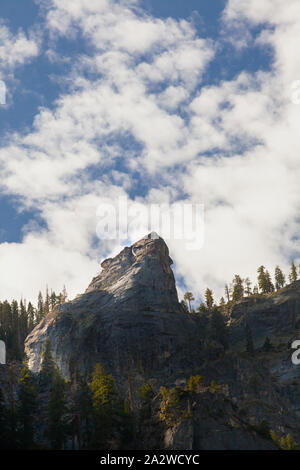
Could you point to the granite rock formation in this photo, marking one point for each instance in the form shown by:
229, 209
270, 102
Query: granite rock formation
276, 317
129, 319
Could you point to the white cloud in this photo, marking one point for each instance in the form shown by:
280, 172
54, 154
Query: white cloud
172, 97
142, 90
15, 49
48, 168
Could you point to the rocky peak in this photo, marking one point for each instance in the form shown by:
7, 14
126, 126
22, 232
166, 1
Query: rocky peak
140, 273
131, 306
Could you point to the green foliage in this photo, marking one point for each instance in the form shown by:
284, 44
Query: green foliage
107, 406
27, 407
248, 290
82, 413
145, 393
290, 442
103, 388
279, 278
209, 299
274, 437
282, 443
223, 307
264, 281
17, 320
188, 297
48, 367
255, 290
57, 428
185, 306
202, 309
170, 403
194, 384
40, 313
238, 288
214, 388
293, 276
217, 330
285, 443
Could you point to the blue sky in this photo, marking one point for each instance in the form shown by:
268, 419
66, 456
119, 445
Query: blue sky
37, 85
161, 102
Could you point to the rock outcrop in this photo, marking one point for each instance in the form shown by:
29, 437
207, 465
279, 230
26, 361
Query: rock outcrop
276, 317
129, 319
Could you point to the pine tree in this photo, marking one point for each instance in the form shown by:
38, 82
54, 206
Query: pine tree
248, 290
293, 276
202, 309
53, 300
222, 306
269, 284
77, 409
47, 302
194, 384
238, 288
23, 322
264, 281
279, 278
104, 400
185, 306
282, 443
103, 388
16, 343
6, 327
274, 437
228, 292
217, 328
27, 406
209, 299
40, 308
48, 367
86, 408
57, 429
213, 388
188, 297
30, 316
290, 443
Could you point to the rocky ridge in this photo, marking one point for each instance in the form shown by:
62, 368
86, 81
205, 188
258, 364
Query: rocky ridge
130, 320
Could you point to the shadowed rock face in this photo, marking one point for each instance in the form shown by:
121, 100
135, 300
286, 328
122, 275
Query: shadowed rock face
128, 318
277, 317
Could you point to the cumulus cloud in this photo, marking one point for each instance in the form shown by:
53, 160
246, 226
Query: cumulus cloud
251, 197
138, 120
52, 168
16, 49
